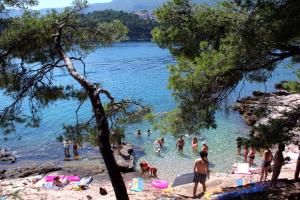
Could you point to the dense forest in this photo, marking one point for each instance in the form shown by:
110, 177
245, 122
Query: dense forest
138, 28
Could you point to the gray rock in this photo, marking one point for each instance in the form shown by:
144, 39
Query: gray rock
124, 158
6, 156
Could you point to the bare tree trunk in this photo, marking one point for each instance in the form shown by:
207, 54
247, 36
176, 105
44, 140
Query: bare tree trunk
105, 148
103, 130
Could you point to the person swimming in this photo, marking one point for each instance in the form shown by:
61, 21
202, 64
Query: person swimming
195, 144
180, 144
204, 150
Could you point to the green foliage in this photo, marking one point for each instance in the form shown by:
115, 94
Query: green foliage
217, 47
138, 28
292, 86
277, 131
29, 57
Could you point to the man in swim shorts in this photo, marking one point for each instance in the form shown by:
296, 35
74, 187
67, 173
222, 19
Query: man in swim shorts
201, 173
266, 163
180, 143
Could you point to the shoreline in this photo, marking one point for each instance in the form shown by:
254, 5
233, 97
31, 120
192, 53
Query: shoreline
219, 182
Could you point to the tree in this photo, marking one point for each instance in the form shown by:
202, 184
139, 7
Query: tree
33, 47
217, 47
138, 28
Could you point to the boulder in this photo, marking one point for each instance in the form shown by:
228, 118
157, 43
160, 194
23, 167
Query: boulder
29, 171
124, 157
6, 156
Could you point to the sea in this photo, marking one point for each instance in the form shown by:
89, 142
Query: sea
136, 70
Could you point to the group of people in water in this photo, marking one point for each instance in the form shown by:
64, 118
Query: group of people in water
201, 166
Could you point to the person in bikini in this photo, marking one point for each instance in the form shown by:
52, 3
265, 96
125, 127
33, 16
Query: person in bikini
245, 152
195, 144
180, 144
201, 173
266, 163
251, 156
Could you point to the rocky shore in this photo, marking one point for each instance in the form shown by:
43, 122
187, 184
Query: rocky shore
7, 156
261, 108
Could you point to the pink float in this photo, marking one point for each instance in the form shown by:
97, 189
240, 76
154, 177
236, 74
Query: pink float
161, 184
69, 178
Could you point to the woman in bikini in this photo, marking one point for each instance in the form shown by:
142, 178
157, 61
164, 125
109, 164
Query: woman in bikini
251, 156
195, 144
245, 152
266, 163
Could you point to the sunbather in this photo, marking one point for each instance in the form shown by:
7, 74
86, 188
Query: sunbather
266, 163
278, 162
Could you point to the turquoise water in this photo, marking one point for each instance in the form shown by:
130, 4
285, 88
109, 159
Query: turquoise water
136, 70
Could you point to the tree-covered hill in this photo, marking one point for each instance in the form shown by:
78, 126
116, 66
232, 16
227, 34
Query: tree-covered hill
139, 28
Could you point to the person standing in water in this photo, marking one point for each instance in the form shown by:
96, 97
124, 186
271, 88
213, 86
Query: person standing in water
67, 148
201, 173
246, 152
75, 151
251, 156
238, 145
148, 132
266, 163
138, 133
204, 150
195, 144
278, 162
180, 144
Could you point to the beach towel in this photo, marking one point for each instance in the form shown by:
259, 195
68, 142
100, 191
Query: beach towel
85, 181
242, 168
137, 185
239, 182
183, 179
236, 194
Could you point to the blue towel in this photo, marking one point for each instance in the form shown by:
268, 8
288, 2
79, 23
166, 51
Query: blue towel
239, 182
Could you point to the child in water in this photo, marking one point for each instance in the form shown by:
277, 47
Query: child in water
195, 144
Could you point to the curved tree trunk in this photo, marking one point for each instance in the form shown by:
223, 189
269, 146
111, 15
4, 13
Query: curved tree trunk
103, 130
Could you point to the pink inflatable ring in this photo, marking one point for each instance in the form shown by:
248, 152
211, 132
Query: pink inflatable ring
161, 184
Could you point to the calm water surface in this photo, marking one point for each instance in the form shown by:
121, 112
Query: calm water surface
136, 70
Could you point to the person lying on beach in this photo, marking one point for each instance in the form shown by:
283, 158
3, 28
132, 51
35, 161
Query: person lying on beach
195, 144
266, 163
251, 156
180, 144
201, 173
57, 182
278, 163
